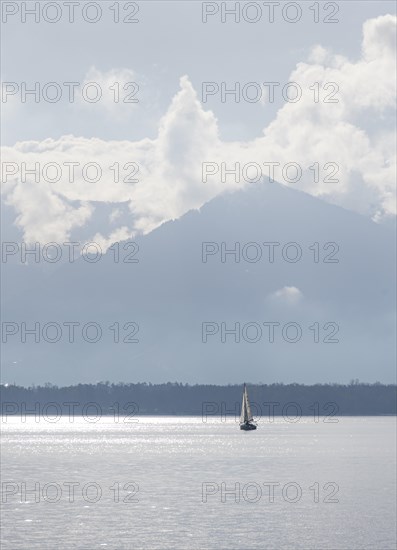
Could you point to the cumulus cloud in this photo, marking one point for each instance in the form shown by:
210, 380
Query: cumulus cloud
115, 214
350, 134
46, 216
120, 234
288, 295
118, 91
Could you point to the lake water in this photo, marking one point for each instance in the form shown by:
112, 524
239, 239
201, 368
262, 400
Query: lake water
181, 483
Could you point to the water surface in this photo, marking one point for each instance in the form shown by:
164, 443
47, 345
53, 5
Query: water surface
184, 483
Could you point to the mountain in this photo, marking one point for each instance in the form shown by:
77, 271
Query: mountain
171, 292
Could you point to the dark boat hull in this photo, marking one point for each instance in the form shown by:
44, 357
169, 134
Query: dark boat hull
247, 427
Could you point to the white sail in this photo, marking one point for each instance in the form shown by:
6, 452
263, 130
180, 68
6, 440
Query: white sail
247, 404
246, 415
243, 409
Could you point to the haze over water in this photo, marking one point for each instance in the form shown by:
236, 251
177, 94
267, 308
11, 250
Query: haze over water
172, 470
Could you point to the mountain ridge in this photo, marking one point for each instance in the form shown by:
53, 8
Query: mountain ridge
171, 292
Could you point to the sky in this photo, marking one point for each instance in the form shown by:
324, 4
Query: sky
143, 111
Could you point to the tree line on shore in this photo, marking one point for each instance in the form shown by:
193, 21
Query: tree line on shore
173, 398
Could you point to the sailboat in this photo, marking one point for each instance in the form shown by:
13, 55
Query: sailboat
246, 415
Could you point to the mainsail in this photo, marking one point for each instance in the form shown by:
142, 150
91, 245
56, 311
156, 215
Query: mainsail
246, 415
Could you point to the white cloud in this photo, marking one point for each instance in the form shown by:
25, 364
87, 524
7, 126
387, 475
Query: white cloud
120, 234
115, 214
172, 183
349, 133
45, 216
120, 91
289, 295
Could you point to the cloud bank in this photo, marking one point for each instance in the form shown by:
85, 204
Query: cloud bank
161, 179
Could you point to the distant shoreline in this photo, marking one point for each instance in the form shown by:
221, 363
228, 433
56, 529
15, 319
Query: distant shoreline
176, 415
128, 401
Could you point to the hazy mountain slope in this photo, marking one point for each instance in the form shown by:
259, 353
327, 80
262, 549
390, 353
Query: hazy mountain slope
171, 292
